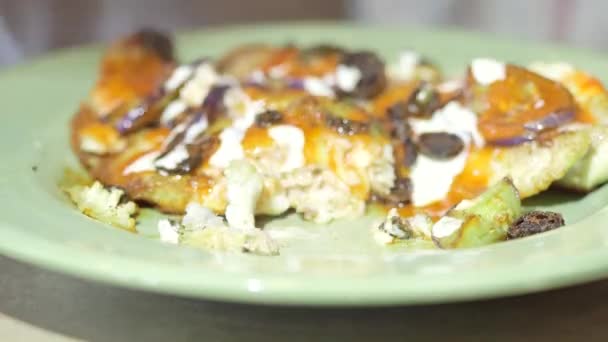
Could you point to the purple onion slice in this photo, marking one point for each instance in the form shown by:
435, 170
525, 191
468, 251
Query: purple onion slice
552, 120
512, 141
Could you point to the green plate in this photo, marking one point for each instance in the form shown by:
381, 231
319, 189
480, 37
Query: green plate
329, 265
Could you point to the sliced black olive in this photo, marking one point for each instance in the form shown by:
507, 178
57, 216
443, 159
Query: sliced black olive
534, 222
424, 101
158, 42
345, 126
440, 145
268, 118
373, 76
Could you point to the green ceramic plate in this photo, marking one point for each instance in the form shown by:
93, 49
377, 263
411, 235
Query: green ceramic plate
330, 265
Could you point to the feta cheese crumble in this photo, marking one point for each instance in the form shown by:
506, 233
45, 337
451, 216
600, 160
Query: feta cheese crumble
347, 77
243, 110
169, 231
104, 205
243, 191
292, 139
487, 71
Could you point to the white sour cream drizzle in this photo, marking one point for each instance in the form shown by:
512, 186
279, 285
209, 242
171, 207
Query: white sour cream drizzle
487, 71
432, 178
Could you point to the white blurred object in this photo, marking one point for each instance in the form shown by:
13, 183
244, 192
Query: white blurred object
9, 51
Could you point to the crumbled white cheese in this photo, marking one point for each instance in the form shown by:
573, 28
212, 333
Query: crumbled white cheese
243, 111
292, 139
180, 75
244, 187
172, 110
381, 171
230, 148
318, 87
196, 89
487, 71
142, 164
452, 118
347, 77
198, 217
432, 178
104, 204
405, 69
555, 71
446, 226
319, 195
169, 232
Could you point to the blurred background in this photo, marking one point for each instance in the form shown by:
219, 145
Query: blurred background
31, 27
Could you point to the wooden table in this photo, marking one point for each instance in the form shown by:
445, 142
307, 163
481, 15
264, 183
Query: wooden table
36, 304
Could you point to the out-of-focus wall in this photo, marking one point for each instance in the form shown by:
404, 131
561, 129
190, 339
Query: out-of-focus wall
30, 27
576, 22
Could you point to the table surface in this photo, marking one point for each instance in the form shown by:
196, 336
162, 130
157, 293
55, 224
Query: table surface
41, 305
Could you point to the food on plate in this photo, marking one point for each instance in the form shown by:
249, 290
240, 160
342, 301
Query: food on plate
328, 132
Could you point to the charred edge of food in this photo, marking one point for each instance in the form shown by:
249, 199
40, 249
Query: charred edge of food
398, 227
535, 222
345, 126
142, 114
399, 196
158, 42
397, 112
199, 151
373, 76
440, 145
424, 101
268, 118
